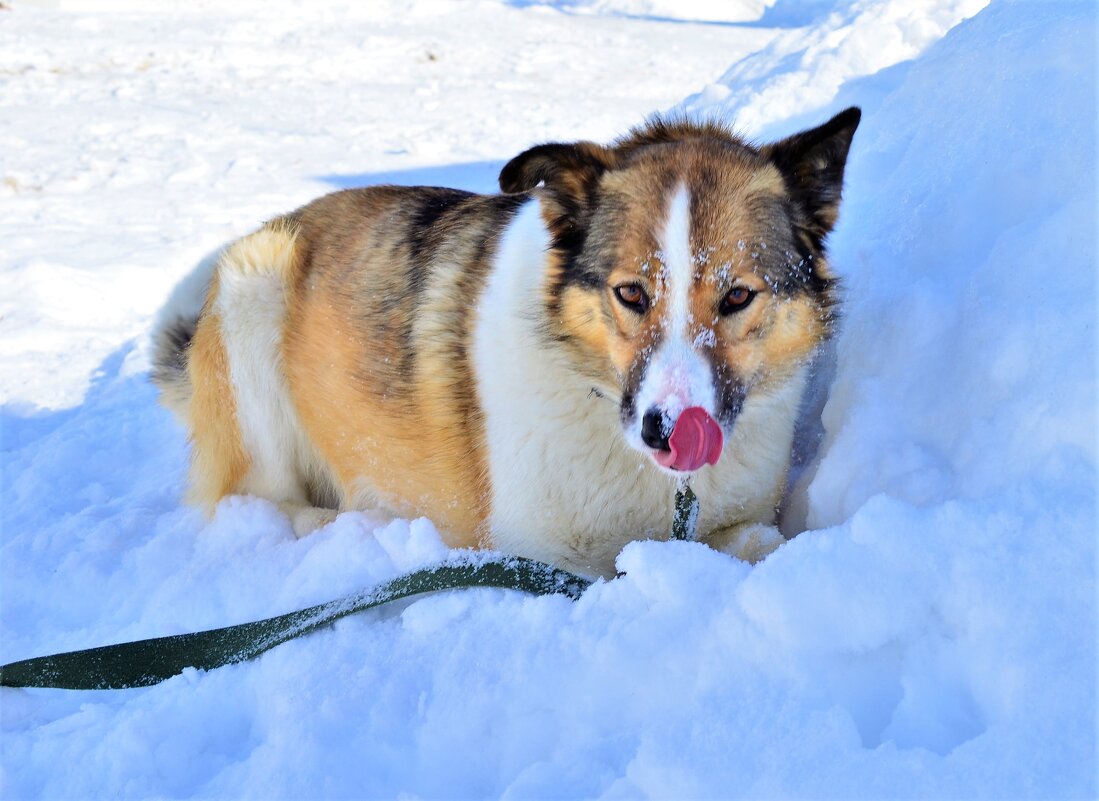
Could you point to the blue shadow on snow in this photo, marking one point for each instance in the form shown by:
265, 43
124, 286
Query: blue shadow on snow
473, 176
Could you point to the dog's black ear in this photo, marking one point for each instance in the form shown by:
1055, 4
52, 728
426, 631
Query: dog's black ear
569, 171
812, 164
570, 174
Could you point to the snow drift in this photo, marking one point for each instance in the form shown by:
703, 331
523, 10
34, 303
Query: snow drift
931, 635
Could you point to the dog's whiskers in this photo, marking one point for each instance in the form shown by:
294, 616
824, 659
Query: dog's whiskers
595, 392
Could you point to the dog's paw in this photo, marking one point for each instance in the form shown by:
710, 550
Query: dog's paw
307, 519
750, 542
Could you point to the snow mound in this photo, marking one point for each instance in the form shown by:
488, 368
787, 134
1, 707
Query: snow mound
801, 69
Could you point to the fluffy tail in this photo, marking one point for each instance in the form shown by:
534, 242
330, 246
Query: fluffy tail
173, 332
170, 363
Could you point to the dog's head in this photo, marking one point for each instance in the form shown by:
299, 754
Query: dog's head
688, 270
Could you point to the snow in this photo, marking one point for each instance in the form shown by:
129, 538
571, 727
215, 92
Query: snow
932, 634
802, 68
689, 10
188, 125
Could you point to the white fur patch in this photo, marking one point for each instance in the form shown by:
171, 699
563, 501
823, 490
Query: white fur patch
564, 484
678, 267
678, 375
251, 305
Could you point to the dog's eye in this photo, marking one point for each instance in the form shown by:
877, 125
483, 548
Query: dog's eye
736, 300
632, 296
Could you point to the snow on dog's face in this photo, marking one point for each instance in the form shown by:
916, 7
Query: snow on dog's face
688, 270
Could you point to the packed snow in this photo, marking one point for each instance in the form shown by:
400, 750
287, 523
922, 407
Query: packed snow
930, 634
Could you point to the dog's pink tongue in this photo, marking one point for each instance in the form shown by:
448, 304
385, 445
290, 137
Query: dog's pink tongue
696, 440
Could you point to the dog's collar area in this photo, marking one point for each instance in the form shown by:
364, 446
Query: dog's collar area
685, 521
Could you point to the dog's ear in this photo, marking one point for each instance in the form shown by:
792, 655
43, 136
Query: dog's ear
569, 171
812, 164
570, 174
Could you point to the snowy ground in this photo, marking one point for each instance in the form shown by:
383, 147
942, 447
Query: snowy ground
932, 635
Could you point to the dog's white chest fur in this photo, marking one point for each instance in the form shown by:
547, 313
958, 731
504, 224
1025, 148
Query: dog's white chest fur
565, 486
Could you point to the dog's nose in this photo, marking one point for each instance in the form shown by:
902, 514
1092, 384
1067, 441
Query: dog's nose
653, 432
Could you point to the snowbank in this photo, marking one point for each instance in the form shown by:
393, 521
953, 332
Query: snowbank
706, 10
932, 636
802, 68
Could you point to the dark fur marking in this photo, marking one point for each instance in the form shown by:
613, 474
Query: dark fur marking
170, 358
432, 220
730, 394
568, 170
424, 230
587, 257
628, 408
636, 375
507, 205
812, 164
427, 228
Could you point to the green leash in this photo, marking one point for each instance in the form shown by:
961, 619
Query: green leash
147, 662
685, 522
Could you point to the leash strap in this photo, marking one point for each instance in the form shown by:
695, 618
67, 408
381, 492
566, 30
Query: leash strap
147, 662
685, 522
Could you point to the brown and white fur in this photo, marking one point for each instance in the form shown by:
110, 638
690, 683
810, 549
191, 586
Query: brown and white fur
475, 360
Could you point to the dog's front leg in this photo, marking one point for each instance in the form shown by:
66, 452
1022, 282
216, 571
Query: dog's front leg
748, 541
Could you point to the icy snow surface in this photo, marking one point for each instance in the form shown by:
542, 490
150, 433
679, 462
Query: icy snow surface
933, 635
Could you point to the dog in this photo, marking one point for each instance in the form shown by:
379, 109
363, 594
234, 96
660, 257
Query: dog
536, 371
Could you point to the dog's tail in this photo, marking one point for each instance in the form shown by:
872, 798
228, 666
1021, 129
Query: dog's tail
173, 332
170, 363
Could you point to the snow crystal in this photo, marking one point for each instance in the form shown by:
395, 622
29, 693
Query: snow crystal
706, 338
